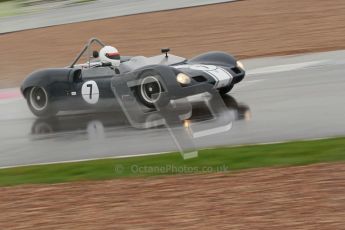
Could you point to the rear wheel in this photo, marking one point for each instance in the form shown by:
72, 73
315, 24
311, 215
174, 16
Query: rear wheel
38, 102
150, 89
226, 89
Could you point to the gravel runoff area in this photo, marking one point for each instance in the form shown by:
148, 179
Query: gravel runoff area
245, 28
302, 197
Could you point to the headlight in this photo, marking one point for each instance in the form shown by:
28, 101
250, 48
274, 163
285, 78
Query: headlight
240, 64
183, 79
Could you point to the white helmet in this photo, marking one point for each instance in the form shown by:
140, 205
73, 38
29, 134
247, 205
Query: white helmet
109, 54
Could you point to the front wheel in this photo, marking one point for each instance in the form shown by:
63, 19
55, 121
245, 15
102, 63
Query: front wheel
38, 102
150, 89
226, 89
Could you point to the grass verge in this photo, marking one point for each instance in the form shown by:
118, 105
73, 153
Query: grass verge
8, 8
210, 160
16, 7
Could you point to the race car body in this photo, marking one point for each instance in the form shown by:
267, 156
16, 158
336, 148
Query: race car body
95, 84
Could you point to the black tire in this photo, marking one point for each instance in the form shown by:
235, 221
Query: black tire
38, 102
150, 89
226, 89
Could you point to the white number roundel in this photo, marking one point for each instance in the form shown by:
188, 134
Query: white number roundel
90, 92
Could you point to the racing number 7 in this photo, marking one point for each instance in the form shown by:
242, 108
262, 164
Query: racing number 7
90, 86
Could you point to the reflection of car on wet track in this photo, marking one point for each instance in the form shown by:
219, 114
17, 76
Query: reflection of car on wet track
240, 111
105, 121
151, 80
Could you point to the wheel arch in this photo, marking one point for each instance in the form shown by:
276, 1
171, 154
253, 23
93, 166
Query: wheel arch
44, 78
166, 73
214, 58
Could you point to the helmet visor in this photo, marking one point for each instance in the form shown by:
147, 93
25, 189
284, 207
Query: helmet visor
113, 56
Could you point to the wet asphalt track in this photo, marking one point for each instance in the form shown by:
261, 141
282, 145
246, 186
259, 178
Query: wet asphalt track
287, 98
93, 10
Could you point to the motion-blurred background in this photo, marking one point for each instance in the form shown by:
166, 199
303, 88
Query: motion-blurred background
294, 185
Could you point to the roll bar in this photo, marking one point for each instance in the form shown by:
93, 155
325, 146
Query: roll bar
86, 48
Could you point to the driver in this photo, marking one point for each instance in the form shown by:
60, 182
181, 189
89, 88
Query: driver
109, 54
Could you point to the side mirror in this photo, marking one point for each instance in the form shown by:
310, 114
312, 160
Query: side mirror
75, 75
95, 54
166, 51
